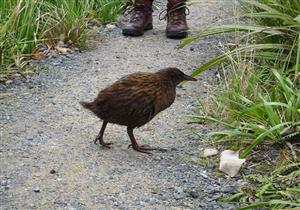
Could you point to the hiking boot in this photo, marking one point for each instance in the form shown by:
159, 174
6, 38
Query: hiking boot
176, 19
140, 20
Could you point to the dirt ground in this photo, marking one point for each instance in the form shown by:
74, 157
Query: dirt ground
49, 160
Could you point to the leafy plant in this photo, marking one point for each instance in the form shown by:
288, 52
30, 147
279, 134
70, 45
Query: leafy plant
278, 190
108, 10
263, 115
66, 20
19, 31
260, 98
274, 26
24, 24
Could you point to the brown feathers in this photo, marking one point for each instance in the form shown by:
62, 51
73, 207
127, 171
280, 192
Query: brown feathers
135, 99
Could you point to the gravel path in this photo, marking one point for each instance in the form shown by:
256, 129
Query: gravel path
49, 161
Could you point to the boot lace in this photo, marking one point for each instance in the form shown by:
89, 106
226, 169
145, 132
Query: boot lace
137, 12
174, 13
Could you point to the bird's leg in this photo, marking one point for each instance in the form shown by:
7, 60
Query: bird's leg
134, 144
100, 136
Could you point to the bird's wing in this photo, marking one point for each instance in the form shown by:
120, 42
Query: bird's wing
132, 98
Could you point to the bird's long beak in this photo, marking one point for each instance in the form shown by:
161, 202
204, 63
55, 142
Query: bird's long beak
189, 78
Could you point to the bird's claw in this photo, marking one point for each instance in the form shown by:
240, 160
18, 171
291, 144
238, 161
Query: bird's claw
145, 147
142, 148
107, 145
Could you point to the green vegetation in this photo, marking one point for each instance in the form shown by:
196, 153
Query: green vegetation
276, 190
24, 24
107, 10
260, 101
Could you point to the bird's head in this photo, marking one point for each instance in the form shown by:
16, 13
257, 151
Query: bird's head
174, 75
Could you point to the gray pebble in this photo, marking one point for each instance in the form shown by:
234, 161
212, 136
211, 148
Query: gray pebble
36, 189
178, 194
194, 194
229, 189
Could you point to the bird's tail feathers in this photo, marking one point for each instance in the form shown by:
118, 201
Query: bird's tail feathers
86, 105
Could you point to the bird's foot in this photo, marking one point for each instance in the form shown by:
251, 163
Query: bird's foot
107, 145
142, 148
104, 144
96, 139
145, 148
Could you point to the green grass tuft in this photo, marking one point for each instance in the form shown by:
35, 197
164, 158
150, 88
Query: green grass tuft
259, 104
24, 24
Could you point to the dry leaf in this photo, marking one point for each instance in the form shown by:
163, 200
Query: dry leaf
230, 162
38, 55
62, 50
209, 152
41, 52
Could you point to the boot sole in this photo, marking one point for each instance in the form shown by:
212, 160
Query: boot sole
135, 32
176, 34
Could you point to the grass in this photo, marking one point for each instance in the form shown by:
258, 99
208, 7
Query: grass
24, 24
275, 187
107, 10
258, 107
261, 99
272, 30
259, 103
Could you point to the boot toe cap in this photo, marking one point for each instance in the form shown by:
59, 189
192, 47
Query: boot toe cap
177, 34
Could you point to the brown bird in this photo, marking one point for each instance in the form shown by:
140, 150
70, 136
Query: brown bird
134, 100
